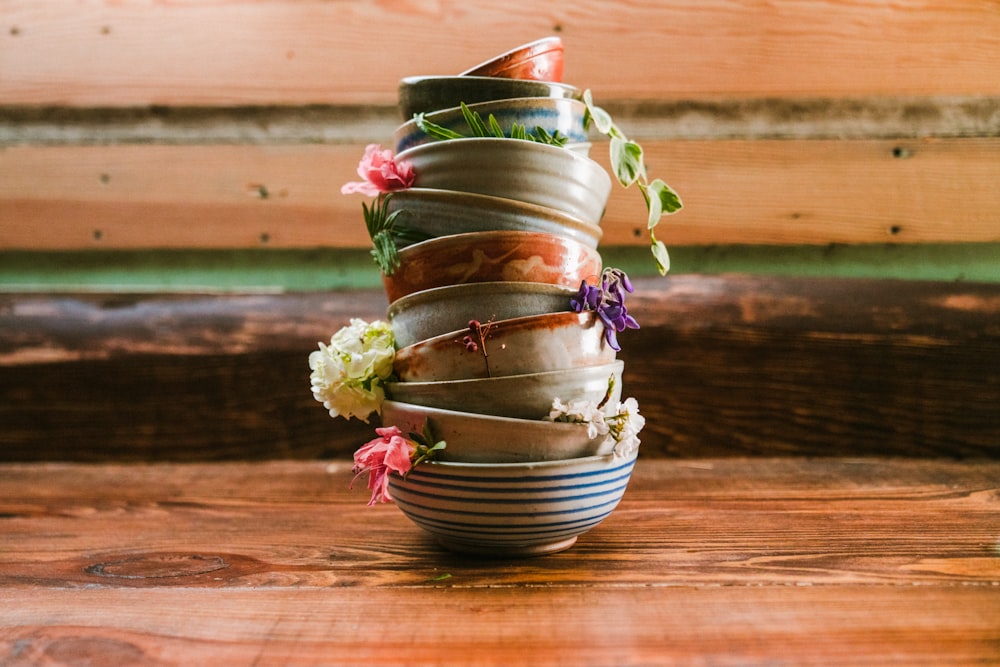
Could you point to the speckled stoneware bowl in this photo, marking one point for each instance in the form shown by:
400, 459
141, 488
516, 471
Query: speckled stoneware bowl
552, 115
523, 170
433, 312
532, 344
526, 396
511, 510
423, 94
541, 60
492, 256
431, 213
479, 438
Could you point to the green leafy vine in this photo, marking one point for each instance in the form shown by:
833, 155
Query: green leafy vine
630, 168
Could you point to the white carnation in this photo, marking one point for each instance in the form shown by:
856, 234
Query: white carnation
348, 374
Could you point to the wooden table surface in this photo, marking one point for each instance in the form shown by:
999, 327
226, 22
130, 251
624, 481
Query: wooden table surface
705, 562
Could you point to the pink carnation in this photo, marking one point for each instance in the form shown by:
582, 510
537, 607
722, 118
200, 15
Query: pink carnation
380, 173
387, 453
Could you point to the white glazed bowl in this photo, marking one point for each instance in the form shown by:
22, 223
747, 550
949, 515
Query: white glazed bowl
564, 116
536, 173
533, 344
431, 213
507, 510
478, 438
436, 311
527, 396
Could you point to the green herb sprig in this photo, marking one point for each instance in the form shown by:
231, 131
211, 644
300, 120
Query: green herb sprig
381, 226
630, 168
488, 128
427, 445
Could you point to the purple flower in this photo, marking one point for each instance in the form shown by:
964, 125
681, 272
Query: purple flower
608, 301
588, 298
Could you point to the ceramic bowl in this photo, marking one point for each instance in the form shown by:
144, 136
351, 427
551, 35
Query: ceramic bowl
423, 94
515, 509
492, 256
536, 173
433, 312
432, 213
534, 344
552, 115
527, 396
479, 438
541, 60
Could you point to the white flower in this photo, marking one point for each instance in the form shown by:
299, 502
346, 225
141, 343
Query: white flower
625, 427
580, 412
348, 374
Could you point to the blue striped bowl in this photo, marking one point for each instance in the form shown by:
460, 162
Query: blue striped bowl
512, 509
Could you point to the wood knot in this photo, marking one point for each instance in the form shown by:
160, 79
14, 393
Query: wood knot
166, 569
158, 566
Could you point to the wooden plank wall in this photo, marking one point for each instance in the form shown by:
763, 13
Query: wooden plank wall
722, 366
232, 123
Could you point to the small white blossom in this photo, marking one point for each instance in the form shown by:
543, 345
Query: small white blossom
348, 374
625, 427
580, 412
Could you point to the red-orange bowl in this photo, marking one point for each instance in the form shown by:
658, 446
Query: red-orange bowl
541, 60
493, 256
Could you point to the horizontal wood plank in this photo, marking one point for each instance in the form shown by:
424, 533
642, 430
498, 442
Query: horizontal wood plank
244, 52
706, 561
725, 366
288, 196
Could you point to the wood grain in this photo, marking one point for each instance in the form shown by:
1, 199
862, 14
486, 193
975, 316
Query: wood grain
722, 366
706, 561
242, 52
288, 196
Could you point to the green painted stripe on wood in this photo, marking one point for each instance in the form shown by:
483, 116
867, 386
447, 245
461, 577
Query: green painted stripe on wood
326, 269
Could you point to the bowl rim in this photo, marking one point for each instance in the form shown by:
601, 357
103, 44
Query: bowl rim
529, 465
492, 202
500, 102
494, 236
520, 287
430, 79
476, 146
613, 365
571, 317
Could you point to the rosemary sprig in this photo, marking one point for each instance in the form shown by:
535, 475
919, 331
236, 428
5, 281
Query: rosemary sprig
382, 229
479, 128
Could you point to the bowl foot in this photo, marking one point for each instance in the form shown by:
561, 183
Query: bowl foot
506, 550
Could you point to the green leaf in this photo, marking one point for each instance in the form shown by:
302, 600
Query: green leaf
626, 160
661, 256
669, 200
434, 130
495, 127
474, 121
600, 117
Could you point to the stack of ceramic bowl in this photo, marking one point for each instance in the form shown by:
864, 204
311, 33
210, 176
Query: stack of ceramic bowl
486, 336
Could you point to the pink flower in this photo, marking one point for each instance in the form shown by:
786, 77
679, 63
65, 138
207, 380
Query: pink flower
380, 173
383, 455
